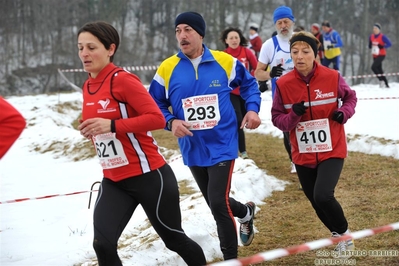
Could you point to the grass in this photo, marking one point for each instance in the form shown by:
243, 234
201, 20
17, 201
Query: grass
368, 191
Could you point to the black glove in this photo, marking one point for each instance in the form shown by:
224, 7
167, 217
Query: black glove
338, 116
276, 71
330, 46
263, 86
380, 46
299, 108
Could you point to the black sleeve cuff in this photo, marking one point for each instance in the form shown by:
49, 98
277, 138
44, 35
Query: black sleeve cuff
169, 124
113, 130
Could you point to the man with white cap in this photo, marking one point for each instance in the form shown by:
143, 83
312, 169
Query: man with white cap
254, 38
196, 83
315, 30
275, 54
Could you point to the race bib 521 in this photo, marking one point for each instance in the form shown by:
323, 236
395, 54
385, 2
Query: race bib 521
110, 151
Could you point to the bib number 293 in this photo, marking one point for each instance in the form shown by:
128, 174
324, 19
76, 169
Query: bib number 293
202, 112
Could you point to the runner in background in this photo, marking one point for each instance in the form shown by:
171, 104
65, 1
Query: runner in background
332, 46
378, 43
315, 30
254, 39
236, 45
275, 60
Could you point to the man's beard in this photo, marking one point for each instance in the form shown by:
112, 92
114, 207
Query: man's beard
286, 36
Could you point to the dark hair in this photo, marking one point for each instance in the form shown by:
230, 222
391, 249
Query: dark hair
326, 23
104, 32
299, 28
243, 40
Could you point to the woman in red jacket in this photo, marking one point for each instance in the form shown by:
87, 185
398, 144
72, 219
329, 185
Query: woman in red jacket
313, 102
378, 43
118, 115
12, 123
236, 46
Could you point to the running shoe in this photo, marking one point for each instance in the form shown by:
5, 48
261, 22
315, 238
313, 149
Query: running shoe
247, 228
343, 248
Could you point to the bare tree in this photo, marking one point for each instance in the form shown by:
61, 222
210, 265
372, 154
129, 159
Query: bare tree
41, 35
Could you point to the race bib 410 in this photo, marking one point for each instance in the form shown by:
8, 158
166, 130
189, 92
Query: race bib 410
313, 136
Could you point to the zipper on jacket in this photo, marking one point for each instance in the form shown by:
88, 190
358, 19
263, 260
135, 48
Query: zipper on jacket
311, 117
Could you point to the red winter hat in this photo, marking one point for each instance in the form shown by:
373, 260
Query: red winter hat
316, 26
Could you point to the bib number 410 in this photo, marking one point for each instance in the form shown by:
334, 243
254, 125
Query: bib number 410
307, 137
313, 136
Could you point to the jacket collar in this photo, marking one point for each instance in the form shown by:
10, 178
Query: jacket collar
206, 56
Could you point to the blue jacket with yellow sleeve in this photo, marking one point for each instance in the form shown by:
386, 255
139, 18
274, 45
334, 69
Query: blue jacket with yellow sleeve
202, 97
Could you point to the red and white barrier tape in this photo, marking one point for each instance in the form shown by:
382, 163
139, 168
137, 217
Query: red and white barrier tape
128, 68
67, 194
143, 68
175, 158
361, 99
46, 197
379, 98
372, 75
282, 252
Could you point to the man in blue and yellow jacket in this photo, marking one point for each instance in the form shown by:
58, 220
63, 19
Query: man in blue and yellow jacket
332, 46
192, 89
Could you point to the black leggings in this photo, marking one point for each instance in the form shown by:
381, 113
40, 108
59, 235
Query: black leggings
377, 68
239, 108
158, 194
287, 143
214, 183
318, 185
335, 61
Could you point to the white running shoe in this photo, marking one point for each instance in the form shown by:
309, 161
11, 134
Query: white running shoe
343, 248
293, 168
247, 228
244, 155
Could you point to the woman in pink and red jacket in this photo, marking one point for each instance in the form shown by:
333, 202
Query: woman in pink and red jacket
313, 103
